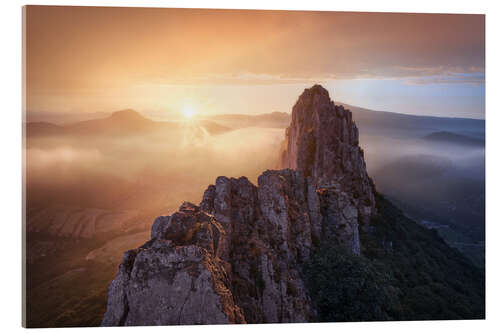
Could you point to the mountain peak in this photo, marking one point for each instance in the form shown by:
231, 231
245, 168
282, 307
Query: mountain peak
322, 142
127, 114
317, 89
319, 134
317, 95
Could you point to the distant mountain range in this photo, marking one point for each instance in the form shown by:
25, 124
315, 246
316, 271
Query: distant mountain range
370, 122
62, 118
118, 123
453, 138
392, 124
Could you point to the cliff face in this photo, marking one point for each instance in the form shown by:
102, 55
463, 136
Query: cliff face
322, 141
236, 257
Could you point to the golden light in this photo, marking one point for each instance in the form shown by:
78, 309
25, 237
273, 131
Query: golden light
189, 112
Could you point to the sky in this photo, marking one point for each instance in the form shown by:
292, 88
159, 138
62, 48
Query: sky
163, 61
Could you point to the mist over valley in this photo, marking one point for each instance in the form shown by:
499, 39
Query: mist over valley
94, 187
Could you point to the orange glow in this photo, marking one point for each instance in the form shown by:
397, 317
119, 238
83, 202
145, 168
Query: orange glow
89, 59
189, 112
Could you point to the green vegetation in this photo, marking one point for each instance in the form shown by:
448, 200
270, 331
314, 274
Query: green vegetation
467, 238
346, 287
63, 288
405, 272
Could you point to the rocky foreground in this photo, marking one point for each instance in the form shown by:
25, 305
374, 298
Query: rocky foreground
237, 257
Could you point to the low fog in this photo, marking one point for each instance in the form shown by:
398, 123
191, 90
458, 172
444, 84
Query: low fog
153, 172
440, 183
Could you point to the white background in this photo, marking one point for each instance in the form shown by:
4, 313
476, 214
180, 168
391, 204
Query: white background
11, 162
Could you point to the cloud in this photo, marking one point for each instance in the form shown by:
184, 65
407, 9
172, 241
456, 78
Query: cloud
475, 78
413, 75
244, 78
81, 50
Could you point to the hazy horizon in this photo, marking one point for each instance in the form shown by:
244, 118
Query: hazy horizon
65, 118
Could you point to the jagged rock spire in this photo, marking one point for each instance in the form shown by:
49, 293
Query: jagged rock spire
322, 141
236, 257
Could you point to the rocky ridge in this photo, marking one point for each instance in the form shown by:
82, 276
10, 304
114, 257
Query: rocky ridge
322, 141
236, 257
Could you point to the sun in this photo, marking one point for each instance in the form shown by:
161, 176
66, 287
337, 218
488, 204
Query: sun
189, 112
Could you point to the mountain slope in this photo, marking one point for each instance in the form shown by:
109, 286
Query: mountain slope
405, 125
256, 254
406, 272
370, 122
453, 138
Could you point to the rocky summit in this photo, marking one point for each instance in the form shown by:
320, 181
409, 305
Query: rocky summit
322, 142
237, 256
